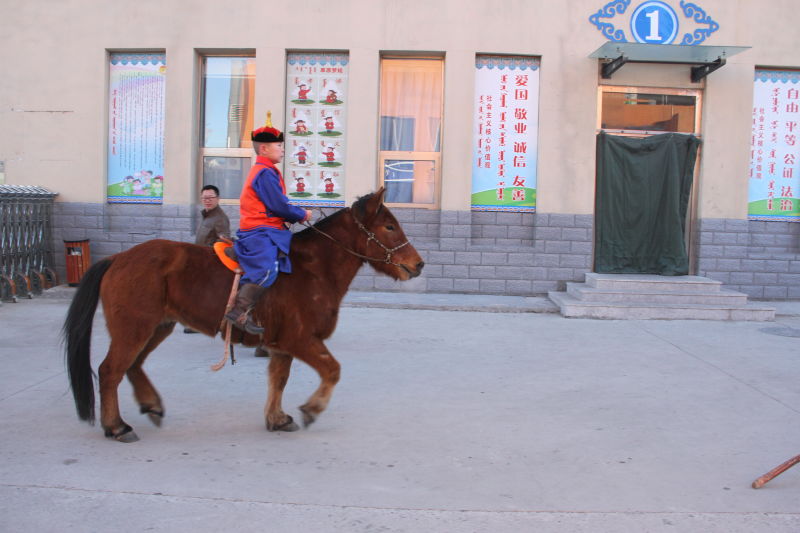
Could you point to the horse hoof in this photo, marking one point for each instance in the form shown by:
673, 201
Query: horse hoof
155, 415
126, 435
308, 417
289, 425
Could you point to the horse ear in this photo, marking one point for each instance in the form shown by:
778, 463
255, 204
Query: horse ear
379, 195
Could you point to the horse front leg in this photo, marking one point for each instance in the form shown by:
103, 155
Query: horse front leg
317, 356
280, 364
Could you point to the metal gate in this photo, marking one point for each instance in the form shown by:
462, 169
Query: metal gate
26, 255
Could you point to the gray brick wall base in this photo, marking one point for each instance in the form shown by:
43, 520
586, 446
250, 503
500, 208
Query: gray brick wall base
756, 257
113, 228
466, 252
491, 253
477, 252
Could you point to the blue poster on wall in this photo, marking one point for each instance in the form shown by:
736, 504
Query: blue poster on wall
136, 128
774, 180
505, 133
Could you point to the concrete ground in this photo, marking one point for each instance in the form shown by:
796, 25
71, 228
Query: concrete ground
444, 421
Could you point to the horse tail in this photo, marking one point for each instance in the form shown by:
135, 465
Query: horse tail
77, 335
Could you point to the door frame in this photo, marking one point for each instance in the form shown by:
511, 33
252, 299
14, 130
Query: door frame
691, 211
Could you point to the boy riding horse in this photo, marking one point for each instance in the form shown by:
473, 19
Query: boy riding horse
263, 236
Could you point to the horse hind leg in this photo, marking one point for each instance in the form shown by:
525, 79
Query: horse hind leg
111, 372
126, 345
143, 390
276, 420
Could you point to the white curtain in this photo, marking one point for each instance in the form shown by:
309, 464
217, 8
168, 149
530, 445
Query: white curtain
412, 89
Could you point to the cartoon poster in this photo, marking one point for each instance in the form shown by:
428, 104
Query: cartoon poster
300, 153
774, 181
298, 183
300, 122
316, 128
505, 133
136, 128
330, 153
330, 183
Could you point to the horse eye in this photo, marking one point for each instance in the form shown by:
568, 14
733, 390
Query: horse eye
389, 227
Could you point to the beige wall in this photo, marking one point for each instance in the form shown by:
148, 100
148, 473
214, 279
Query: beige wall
53, 95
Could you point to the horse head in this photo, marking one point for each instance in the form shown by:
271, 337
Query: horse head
386, 241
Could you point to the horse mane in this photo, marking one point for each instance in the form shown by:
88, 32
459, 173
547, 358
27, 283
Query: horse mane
359, 206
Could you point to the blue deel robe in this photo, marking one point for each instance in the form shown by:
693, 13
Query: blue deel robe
258, 249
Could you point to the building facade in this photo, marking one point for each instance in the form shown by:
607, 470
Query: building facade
481, 120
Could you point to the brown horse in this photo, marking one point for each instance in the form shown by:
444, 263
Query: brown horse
147, 289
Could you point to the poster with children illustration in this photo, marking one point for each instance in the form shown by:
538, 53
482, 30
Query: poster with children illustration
329, 123
330, 153
136, 128
300, 122
299, 153
303, 91
316, 127
330, 183
299, 184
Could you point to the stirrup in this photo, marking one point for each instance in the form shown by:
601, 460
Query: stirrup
244, 322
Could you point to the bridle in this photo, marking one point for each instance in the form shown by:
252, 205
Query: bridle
370, 237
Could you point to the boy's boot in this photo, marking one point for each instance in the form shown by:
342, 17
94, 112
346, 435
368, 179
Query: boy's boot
246, 299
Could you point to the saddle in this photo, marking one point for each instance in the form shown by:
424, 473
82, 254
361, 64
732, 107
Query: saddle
227, 254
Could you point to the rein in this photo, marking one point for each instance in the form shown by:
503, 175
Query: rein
226, 324
370, 237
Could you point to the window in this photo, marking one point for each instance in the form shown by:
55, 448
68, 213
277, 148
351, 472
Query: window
228, 93
643, 111
411, 129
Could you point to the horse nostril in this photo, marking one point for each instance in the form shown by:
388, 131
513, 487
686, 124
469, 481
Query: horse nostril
420, 265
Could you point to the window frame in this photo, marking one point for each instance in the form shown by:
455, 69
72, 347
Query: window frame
698, 110
202, 151
436, 157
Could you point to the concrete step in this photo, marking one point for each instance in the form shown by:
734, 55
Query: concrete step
583, 292
652, 282
574, 308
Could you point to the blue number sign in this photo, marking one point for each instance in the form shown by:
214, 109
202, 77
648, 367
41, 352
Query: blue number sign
654, 23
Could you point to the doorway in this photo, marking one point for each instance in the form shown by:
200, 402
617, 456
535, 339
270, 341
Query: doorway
649, 135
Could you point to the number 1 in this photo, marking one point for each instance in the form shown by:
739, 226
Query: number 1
653, 16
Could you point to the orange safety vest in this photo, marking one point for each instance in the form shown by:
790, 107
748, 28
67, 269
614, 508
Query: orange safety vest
252, 210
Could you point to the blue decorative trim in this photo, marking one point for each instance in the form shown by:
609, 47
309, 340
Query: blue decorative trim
699, 35
134, 200
333, 60
507, 209
318, 203
140, 59
609, 11
509, 62
783, 76
773, 218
